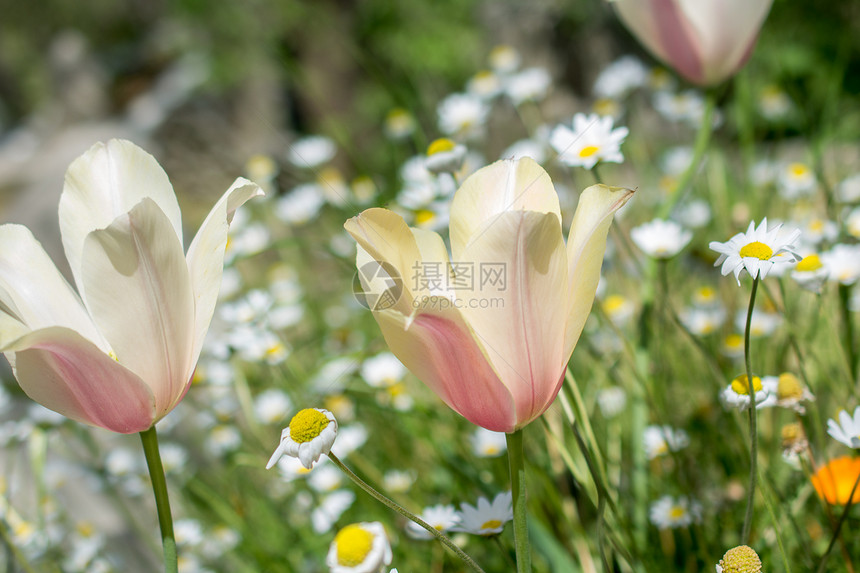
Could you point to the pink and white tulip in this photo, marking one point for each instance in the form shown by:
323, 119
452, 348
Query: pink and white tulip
499, 365
706, 41
120, 352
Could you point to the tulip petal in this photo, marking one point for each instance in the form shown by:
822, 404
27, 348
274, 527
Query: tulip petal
586, 246
505, 185
387, 239
206, 256
440, 349
138, 289
64, 372
662, 27
102, 184
521, 322
726, 31
34, 292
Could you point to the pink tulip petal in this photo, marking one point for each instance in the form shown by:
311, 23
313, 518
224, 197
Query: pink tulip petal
206, 256
679, 40
521, 323
138, 290
586, 246
66, 373
505, 185
438, 347
104, 183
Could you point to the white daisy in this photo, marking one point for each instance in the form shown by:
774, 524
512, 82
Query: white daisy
737, 393
843, 263
810, 273
525, 148
504, 59
311, 151
441, 517
530, 84
670, 513
755, 251
272, 406
485, 84
592, 139
445, 156
788, 391
660, 239
852, 223
762, 323
847, 429
301, 204
816, 230
848, 189
773, 102
611, 401
620, 77
796, 180
488, 444
462, 114
703, 320
359, 548
311, 433
693, 214
398, 481
399, 124
486, 518
325, 515
661, 440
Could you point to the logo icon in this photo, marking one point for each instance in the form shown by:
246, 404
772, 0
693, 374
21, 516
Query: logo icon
377, 286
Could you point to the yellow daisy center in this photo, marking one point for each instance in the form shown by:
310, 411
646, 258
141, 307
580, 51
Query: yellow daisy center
307, 425
85, 529
798, 170
614, 303
424, 216
440, 145
734, 341
588, 151
789, 387
758, 250
809, 264
741, 386
353, 545
490, 450
677, 512
491, 524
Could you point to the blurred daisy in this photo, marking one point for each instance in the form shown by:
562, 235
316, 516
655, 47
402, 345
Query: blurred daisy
762, 323
852, 223
703, 320
737, 393
660, 440
834, 481
796, 180
331, 508
842, 263
311, 151
788, 391
693, 214
359, 548
291, 469
525, 148
670, 513
272, 406
440, 517
687, 106
620, 78
592, 139
755, 251
261, 169
773, 102
397, 481
618, 308
764, 172
300, 205
816, 229
848, 189
223, 439
486, 518
504, 59
462, 114
530, 84
810, 273
660, 239
611, 401
484, 84
349, 439
311, 433
847, 429
445, 156
399, 124
488, 444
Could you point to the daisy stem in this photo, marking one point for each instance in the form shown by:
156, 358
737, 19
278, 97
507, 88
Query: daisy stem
838, 526
149, 439
518, 488
444, 539
703, 137
848, 329
745, 535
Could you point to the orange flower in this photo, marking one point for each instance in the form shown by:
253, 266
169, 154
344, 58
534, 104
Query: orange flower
834, 481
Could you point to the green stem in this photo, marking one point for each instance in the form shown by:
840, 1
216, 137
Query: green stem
149, 439
518, 488
444, 539
848, 330
745, 536
703, 137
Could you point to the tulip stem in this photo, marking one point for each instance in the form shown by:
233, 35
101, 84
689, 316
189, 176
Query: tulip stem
149, 439
703, 138
444, 539
518, 489
745, 535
